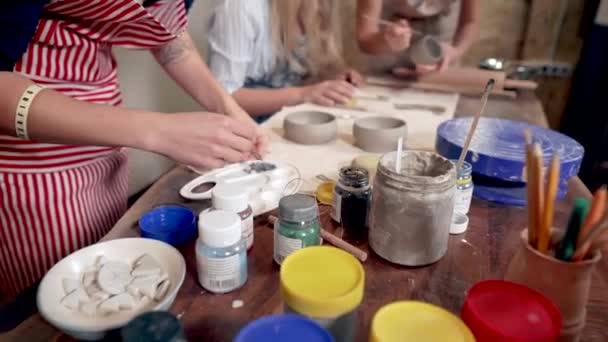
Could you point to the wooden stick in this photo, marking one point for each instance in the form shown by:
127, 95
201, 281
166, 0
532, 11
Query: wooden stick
387, 23
334, 240
536, 183
467, 143
544, 234
530, 189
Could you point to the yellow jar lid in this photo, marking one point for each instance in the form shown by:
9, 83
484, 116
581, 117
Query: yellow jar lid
417, 321
325, 192
322, 282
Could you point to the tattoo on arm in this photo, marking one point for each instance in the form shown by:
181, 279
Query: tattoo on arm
174, 50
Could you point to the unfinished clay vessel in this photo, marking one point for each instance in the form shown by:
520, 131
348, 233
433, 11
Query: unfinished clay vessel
566, 284
426, 50
310, 127
379, 134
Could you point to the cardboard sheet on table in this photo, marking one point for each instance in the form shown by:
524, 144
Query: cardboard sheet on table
326, 159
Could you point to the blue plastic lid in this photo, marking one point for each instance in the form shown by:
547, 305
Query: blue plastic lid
280, 328
172, 224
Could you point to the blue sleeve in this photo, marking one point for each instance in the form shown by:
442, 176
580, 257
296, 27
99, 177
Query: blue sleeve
18, 22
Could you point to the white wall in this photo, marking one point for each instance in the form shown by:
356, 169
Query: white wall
145, 86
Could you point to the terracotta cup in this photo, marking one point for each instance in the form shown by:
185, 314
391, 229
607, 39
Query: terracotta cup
566, 284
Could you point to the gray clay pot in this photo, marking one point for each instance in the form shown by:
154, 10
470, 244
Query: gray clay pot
310, 127
379, 134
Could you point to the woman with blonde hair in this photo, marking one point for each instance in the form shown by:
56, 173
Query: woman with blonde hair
267, 52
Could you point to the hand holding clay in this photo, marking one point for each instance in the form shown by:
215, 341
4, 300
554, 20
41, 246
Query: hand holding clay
329, 93
398, 35
202, 140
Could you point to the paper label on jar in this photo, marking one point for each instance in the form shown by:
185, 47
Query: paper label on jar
462, 200
219, 274
336, 207
247, 227
284, 246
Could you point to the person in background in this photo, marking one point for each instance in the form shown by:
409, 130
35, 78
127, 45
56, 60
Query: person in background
268, 52
412, 18
63, 174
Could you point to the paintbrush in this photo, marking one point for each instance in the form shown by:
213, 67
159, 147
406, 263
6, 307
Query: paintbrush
595, 215
595, 233
467, 143
567, 246
544, 234
530, 189
381, 21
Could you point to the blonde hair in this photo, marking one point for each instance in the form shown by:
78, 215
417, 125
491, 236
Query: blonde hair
320, 23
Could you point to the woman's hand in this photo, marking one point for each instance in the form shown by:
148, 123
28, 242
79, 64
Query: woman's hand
202, 140
450, 53
328, 93
398, 35
351, 76
231, 108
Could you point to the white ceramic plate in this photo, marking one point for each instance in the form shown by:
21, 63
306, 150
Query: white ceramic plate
91, 328
265, 188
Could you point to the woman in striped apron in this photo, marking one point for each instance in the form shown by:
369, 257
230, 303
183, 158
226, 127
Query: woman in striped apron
454, 23
63, 175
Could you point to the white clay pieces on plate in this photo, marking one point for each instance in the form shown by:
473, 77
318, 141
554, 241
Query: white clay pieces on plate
109, 286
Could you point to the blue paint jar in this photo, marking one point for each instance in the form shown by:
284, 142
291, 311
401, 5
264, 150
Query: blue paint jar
464, 188
279, 328
221, 252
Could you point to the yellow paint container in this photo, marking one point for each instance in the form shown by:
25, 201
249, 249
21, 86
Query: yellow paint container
417, 321
325, 284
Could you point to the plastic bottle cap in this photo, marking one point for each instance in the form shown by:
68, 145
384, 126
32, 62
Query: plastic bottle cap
171, 224
230, 197
153, 326
280, 328
417, 321
460, 223
498, 310
322, 282
218, 228
298, 207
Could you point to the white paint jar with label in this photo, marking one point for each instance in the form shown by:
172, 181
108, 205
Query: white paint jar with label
235, 199
221, 252
464, 188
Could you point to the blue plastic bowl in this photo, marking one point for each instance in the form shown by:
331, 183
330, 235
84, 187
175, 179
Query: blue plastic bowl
172, 224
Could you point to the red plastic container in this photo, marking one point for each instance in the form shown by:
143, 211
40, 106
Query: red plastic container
503, 311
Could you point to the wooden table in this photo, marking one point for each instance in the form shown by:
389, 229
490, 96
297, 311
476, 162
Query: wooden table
483, 252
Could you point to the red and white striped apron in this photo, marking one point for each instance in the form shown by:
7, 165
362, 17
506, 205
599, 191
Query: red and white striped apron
55, 199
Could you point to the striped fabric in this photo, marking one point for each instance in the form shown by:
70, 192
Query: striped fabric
49, 215
55, 199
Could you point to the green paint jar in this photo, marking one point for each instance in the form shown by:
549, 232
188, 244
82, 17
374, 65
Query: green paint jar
298, 226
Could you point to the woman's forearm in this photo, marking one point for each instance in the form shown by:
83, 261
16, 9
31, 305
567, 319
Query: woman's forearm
56, 118
369, 36
182, 61
261, 101
468, 26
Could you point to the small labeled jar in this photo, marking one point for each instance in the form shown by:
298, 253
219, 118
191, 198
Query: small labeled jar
235, 199
464, 188
325, 284
155, 326
221, 252
298, 225
351, 200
